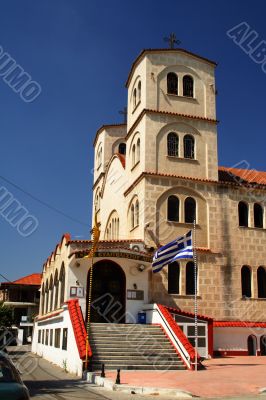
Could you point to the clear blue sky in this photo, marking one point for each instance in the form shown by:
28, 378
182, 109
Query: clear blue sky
80, 52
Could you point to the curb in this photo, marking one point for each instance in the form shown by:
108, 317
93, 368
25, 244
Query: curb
92, 377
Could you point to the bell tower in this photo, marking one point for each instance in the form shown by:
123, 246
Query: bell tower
172, 104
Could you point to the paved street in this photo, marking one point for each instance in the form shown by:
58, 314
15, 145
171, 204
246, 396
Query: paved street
49, 382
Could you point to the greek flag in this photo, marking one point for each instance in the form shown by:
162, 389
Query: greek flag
178, 248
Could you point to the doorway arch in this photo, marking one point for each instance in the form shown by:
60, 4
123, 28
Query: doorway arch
252, 345
108, 299
263, 345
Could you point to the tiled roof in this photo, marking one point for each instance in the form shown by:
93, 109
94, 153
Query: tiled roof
106, 127
109, 241
242, 176
173, 114
65, 237
78, 327
178, 332
190, 116
188, 314
33, 279
239, 324
122, 159
149, 51
228, 176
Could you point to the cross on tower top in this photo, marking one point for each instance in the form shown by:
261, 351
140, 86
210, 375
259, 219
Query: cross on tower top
124, 113
172, 40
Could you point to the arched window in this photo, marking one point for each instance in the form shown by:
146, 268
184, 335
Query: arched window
172, 144
242, 213
172, 83
189, 145
139, 91
261, 278
122, 148
46, 297
258, 216
173, 278
252, 345
51, 293
246, 281
62, 285
56, 289
97, 200
112, 228
132, 210
188, 86
42, 300
138, 151
173, 208
134, 97
190, 278
99, 157
190, 210
133, 155
136, 213
117, 228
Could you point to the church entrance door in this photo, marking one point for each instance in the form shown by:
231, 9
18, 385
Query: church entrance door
108, 292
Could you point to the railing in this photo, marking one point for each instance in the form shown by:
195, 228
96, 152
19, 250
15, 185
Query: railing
79, 328
184, 348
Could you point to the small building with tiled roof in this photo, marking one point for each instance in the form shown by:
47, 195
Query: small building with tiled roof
153, 177
23, 296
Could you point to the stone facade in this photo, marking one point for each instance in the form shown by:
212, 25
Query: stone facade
148, 175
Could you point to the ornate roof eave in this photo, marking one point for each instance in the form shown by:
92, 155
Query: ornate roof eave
219, 183
168, 113
150, 51
112, 252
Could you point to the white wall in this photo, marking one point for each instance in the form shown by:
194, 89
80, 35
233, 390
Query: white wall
63, 358
235, 339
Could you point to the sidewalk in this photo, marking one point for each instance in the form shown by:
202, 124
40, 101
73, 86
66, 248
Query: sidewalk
230, 376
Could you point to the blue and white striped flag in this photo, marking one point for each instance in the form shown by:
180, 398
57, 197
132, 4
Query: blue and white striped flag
178, 248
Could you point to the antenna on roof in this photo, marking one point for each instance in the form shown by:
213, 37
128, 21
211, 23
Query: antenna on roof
172, 40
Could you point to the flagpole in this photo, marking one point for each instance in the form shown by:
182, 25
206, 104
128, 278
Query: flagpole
195, 294
95, 241
89, 315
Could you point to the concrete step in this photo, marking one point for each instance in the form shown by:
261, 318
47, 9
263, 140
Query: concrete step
130, 332
122, 356
106, 325
128, 352
129, 346
132, 343
147, 367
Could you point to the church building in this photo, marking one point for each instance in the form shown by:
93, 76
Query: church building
153, 176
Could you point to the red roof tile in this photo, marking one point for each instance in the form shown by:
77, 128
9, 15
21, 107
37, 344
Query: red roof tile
65, 237
188, 314
122, 159
178, 332
109, 241
33, 279
239, 324
242, 176
78, 327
